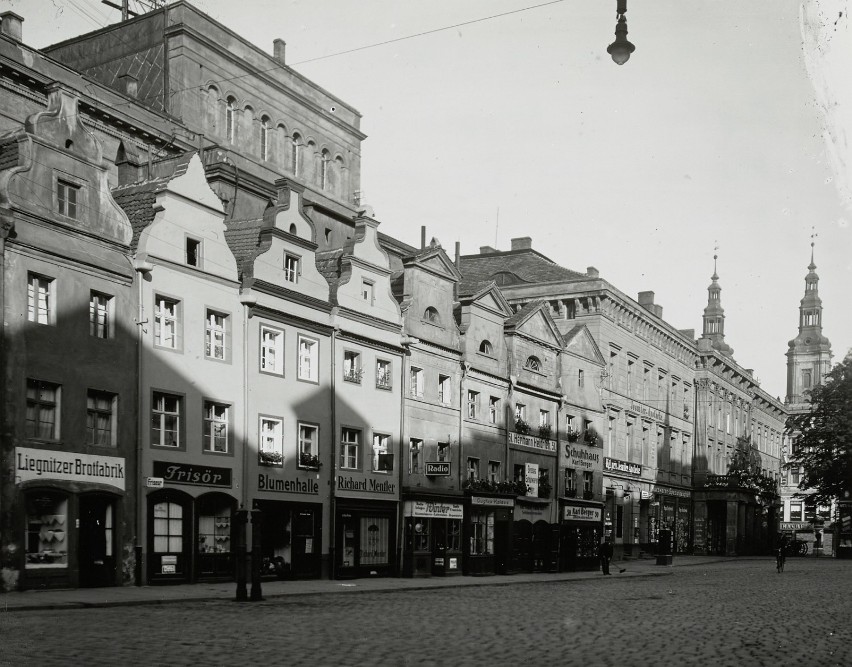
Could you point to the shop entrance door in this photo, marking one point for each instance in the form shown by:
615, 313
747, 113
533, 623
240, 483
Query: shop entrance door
96, 541
439, 546
347, 538
306, 543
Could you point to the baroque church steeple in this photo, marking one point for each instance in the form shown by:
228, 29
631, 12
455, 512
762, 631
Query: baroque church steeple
714, 316
809, 354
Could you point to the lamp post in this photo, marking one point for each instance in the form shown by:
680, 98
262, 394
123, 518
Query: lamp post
620, 49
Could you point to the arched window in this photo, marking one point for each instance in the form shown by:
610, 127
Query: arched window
229, 119
533, 364
325, 166
295, 153
293, 230
339, 185
212, 108
431, 316
264, 138
485, 347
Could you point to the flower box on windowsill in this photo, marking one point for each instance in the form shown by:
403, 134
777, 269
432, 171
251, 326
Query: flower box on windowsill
353, 376
544, 432
571, 435
271, 459
521, 426
309, 461
570, 493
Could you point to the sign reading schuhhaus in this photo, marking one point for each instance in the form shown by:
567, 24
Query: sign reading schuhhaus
42, 464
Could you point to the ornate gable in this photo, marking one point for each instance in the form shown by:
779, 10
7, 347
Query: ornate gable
580, 343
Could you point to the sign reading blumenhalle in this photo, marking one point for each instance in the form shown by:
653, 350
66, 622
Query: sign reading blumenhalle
42, 464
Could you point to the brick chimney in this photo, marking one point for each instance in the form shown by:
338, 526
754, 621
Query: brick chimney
11, 25
486, 250
592, 272
279, 47
522, 243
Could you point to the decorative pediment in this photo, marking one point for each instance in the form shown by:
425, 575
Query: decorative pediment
60, 125
580, 343
540, 325
492, 299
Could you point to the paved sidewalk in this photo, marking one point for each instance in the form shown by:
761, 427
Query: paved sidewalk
82, 598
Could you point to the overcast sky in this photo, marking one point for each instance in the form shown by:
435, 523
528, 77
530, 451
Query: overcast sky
726, 126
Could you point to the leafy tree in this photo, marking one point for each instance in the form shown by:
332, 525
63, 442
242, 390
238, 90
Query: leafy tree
823, 436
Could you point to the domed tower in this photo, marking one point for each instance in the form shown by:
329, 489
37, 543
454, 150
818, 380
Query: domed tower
809, 354
714, 316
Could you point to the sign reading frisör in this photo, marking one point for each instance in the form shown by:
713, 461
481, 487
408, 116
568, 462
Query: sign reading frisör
42, 464
194, 475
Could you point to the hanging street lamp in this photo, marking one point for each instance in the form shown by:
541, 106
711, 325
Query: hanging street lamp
621, 49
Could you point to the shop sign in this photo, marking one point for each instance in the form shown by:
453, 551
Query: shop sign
492, 502
430, 510
531, 441
531, 479
584, 458
437, 468
646, 411
185, 473
454, 563
154, 482
531, 512
368, 484
267, 483
667, 491
42, 464
168, 564
614, 465
582, 513
795, 525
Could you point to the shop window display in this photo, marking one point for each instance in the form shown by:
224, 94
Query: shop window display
374, 540
482, 533
47, 530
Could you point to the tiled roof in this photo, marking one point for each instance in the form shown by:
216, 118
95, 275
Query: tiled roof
471, 287
568, 336
524, 312
137, 201
242, 237
527, 266
328, 264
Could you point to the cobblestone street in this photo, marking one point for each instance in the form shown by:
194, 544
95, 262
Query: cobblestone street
735, 613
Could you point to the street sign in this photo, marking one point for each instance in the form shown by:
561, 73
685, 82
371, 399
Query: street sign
154, 482
438, 468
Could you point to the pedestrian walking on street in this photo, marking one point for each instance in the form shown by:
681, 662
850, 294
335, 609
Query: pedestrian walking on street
605, 554
781, 556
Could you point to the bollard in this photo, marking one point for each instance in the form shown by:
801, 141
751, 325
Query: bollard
256, 592
241, 518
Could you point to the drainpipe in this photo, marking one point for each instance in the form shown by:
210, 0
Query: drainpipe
400, 521
465, 368
248, 300
142, 268
332, 567
7, 225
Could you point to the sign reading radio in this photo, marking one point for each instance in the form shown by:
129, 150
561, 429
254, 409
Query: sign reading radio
183, 473
614, 465
42, 464
437, 469
542, 444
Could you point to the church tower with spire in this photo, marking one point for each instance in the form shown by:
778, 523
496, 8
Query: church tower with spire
809, 353
714, 316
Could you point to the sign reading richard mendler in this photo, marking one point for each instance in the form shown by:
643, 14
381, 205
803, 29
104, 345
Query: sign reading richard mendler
42, 464
582, 513
614, 465
184, 473
582, 457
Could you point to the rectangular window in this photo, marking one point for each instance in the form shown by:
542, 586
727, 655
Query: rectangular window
472, 468
216, 335
368, 291
443, 451
165, 420
193, 252
570, 481
646, 379
383, 374
42, 410
271, 445
445, 389
67, 197
39, 299
630, 364
48, 531
292, 268
519, 472
350, 443
99, 307
100, 418
382, 454
520, 411
482, 533
587, 481
619, 521
494, 471
215, 434
416, 382
797, 512
308, 446
543, 419
271, 350
166, 322
308, 359
581, 382
493, 409
415, 456
610, 436
352, 366
472, 404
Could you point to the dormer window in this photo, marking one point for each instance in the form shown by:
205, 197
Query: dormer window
193, 252
533, 364
431, 316
291, 268
486, 348
368, 290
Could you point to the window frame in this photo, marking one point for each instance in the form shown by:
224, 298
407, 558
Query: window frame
314, 348
207, 421
472, 467
377, 451
292, 275
348, 447
415, 456
113, 418
416, 377
280, 337
384, 379
314, 444
211, 331
493, 409
34, 277
65, 207
199, 251
180, 416
37, 402
94, 316
368, 289
445, 389
472, 404
486, 348
278, 449
533, 364
356, 371
431, 316
176, 318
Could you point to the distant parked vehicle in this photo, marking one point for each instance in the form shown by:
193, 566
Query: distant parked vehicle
798, 548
